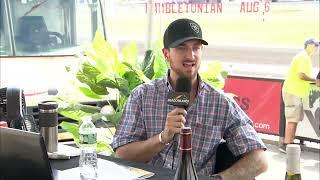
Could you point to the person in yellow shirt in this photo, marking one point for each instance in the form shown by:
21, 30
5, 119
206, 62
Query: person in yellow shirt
295, 87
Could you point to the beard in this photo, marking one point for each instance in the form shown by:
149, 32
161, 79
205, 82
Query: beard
186, 74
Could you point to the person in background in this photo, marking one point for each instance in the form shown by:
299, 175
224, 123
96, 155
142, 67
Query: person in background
318, 79
148, 125
295, 87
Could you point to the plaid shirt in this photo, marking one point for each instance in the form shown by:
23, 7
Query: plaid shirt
213, 116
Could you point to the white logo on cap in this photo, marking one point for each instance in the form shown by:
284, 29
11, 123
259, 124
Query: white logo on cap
195, 27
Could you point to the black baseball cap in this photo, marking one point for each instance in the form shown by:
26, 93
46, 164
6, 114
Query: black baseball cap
182, 30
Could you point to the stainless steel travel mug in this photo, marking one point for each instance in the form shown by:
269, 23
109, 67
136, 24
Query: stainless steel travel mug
48, 122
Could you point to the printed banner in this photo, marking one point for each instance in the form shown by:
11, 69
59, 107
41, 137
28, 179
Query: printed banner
260, 99
310, 125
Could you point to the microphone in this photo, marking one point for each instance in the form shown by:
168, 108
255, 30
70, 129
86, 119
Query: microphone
180, 98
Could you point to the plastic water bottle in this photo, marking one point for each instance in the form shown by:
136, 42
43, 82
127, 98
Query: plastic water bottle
88, 158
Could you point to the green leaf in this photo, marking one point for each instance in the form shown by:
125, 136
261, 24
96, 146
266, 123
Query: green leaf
65, 106
132, 79
106, 56
212, 70
142, 76
90, 71
130, 54
76, 111
138, 72
88, 109
71, 128
83, 78
213, 74
123, 86
121, 103
107, 83
67, 68
97, 116
75, 115
129, 66
160, 65
160, 68
121, 69
89, 93
98, 89
148, 64
104, 147
224, 74
115, 118
215, 82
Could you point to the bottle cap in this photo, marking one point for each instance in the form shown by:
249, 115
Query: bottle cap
293, 158
48, 107
185, 139
293, 149
86, 118
185, 130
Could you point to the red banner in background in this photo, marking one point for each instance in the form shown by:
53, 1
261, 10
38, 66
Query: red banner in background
260, 99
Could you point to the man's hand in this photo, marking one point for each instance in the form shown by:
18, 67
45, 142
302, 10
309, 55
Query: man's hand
174, 122
144, 151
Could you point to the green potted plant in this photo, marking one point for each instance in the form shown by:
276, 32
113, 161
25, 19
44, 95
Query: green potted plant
104, 71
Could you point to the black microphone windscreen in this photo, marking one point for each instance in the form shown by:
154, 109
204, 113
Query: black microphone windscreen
183, 85
181, 96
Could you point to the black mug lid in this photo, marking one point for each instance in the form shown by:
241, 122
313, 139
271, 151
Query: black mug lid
46, 105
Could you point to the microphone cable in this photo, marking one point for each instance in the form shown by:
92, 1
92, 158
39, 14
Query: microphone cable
166, 155
174, 146
174, 150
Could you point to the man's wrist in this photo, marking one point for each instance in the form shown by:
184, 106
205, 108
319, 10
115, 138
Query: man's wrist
161, 139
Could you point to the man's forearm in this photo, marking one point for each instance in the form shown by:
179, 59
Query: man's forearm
142, 151
303, 76
248, 167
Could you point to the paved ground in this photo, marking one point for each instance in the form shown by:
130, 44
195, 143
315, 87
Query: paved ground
245, 53
254, 54
250, 59
309, 161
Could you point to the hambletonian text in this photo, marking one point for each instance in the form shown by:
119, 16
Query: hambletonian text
205, 8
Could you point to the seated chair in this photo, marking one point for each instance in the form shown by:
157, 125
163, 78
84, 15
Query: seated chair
224, 158
34, 34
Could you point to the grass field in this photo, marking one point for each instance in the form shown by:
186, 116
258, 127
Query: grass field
286, 24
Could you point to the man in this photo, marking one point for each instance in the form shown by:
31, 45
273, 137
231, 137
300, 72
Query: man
296, 87
146, 131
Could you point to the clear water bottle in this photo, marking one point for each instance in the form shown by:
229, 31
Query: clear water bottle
87, 141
